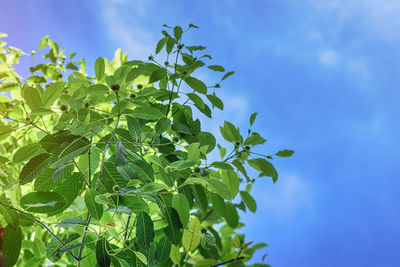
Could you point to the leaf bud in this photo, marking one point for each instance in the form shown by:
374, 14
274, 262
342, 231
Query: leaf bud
180, 46
237, 144
151, 58
166, 63
115, 87
116, 188
247, 148
86, 104
63, 107
139, 86
167, 169
132, 96
175, 139
217, 85
196, 169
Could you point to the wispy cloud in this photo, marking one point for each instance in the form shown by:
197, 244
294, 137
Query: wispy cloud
126, 32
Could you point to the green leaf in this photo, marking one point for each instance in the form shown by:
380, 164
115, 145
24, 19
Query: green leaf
254, 139
143, 170
161, 44
196, 100
217, 68
232, 217
180, 203
43, 42
218, 204
192, 236
200, 197
157, 75
172, 231
178, 32
147, 113
42, 202
102, 257
141, 257
222, 165
71, 151
163, 250
196, 84
52, 93
110, 177
95, 209
70, 188
34, 168
207, 139
27, 152
265, 167
11, 245
73, 222
183, 164
144, 230
99, 68
216, 101
212, 185
175, 255
10, 215
231, 180
32, 97
249, 200
227, 75
230, 132
170, 45
120, 154
162, 125
134, 128
252, 118
285, 153
97, 89
5, 132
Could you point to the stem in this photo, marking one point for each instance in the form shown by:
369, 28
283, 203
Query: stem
88, 217
42, 224
173, 84
229, 261
127, 225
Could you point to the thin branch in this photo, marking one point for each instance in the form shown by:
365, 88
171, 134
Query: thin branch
229, 261
42, 224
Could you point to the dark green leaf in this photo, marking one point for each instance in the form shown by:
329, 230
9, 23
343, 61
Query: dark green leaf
95, 209
162, 125
144, 230
196, 100
34, 167
120, 154
42, 202
73, 222
196, 84
11, 245
254, 139
265, 167
216, 68
249, 200
161, 44
231, 216
216, 101
172, 231
134, 128
285, 153
157, 75
180, 203
27, 152
231, 180
227, 75
102, 248
163, 249
253, 117
147, 113
178, 32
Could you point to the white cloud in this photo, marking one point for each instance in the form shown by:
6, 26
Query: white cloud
132, 38
328, 57
284, 199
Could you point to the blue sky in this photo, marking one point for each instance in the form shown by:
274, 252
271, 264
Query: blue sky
324, 78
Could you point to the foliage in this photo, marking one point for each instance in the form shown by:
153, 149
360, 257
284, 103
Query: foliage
114, 170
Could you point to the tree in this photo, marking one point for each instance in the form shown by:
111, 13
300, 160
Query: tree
113, 169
